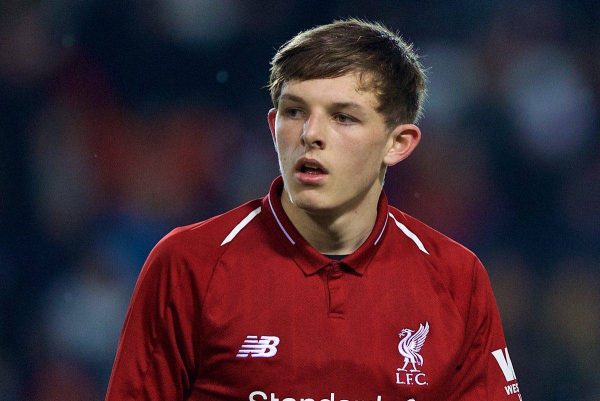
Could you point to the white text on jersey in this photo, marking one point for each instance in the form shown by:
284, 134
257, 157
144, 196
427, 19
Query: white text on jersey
505, 364
261, 396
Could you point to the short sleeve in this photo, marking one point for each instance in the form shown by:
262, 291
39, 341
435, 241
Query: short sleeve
486, 373
156, 353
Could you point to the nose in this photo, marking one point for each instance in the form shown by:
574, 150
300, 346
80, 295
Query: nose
313, 132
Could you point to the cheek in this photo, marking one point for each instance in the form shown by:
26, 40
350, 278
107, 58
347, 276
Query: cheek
284, 147
364, 160
285, 152
285, 138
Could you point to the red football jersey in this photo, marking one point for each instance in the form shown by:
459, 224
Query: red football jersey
241, 307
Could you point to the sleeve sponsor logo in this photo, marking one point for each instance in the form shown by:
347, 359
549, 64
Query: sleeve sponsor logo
505, 364
503, 359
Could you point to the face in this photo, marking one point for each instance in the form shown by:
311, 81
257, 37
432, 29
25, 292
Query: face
333, 145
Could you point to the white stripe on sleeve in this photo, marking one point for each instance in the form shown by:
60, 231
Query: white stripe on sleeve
240, 226
409, 234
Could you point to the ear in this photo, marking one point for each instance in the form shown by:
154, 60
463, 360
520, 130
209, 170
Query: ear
403, 140
271, 115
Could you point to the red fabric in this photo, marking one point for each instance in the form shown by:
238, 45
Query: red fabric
338, 323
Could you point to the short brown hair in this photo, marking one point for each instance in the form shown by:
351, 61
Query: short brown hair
346, 46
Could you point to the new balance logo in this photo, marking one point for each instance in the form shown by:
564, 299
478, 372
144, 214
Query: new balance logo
505, 364
265, 347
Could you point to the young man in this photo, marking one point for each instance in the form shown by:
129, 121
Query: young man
320, 290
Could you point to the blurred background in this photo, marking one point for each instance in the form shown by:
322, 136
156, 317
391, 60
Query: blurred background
120, 120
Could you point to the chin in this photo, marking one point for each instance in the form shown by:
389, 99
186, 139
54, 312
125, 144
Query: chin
313, 204
304, 199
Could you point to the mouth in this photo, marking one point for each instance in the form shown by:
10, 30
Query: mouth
310, 166
310, 172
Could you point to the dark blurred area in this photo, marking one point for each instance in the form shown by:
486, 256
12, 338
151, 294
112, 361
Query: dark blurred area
120, 120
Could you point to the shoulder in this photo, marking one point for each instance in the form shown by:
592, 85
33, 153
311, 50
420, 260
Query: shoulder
454, 264
435, 244
200, 245
212, 232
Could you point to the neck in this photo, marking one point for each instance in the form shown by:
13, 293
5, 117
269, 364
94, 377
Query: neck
338, 232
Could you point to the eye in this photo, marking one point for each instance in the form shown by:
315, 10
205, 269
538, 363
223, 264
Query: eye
292, 112
344, 118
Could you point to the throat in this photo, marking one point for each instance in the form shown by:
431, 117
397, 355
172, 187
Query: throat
331, 233
335, 257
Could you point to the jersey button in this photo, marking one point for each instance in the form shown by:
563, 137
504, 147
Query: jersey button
334, 270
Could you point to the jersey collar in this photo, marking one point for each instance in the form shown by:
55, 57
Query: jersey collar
305, 256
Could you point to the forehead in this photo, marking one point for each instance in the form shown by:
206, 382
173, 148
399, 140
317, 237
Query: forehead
349, 88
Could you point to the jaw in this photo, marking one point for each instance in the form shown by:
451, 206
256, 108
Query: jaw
332, 199
329, 192
312, 200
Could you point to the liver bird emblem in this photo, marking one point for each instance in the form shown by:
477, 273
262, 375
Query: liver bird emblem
410, 344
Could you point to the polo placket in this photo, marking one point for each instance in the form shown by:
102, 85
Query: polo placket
336, 289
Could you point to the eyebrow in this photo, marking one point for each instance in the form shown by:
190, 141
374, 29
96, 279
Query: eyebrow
293, 98
341, 105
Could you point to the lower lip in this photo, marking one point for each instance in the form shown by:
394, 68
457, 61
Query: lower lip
310, 178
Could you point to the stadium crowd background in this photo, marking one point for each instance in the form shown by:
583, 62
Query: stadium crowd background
120, 120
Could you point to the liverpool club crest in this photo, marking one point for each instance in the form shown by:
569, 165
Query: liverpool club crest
411, 342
